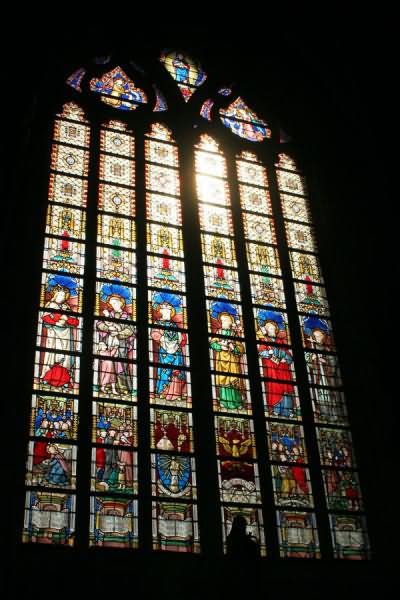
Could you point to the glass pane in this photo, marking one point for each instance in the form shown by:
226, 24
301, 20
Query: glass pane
311, 298
65, 221
286, 442
291, 182
258, 228
235, 437
116, 264
228, 356
218, 249
165, 209
51, 464
349, 537
117, 170
113, 378
255, 199
113, 522
71, 133
175, 527
69, 160
168, 347
221, 282
267, 291
298, 536
58, 330
49, 518
116, 231
254, 523
54, 417
67, 190
61, 292
335, 447
292, 486
215, 219
62, 254
329, 406
342, 490
159, 152
171, 430
117, 142
56, 371
295, 208
161, 237
231, 394
239, 482
164, 272
263, 259
225, 318
116, 199
173, 476
162, 179
170, 387
114, 469
167, 309
114, 423
305, 266
115, 301
115, 339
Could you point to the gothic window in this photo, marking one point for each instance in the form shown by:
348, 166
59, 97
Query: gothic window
185, 346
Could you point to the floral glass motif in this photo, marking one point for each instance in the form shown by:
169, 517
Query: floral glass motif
73, 133
291, 182
244, 122
295, 208
164, 209
67, 190
267, 291
115, 169
49, 518
215, 219
300, 237
113, 522
187, 72
117, 140
305, 266
258, 228
75, 79
255, 199
115, 231
159, 152
69, 160
118, 200
162, 179
218, 249
118, 91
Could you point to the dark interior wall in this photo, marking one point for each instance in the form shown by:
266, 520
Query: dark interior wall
319, 87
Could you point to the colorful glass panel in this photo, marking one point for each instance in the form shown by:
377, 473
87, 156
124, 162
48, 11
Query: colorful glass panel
114, 468
235, 437
244, 122
51, 464
54, 417
187, 72
114, 424
164, 209
171, 430
349, 537
118, 91
298, 535
173, 476
113, 522
117, 169
175, 527
49, 518
286, 442
254, 523
75, 79
116, 199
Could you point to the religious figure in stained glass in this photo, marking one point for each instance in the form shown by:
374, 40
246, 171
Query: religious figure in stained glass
169, 344
244, 122
52, 464
227, 354
118, 90
58, 337
275, 360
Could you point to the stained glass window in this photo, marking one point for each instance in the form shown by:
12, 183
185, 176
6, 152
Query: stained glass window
339, 469
131, 365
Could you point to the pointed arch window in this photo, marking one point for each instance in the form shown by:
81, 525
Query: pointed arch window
136, 368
